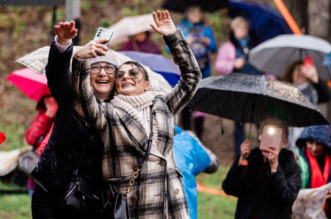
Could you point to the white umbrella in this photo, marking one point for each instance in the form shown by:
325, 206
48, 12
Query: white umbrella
129, 26
274, 55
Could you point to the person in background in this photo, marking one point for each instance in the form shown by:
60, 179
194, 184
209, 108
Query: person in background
232, 57
268, 184
141, 42
313, 156
305, 78
201, 40
192, 158
39, 128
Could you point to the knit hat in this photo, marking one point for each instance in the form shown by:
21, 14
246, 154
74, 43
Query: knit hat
320, 133
108, 58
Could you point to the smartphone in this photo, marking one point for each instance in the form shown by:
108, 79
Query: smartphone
271, 136
308, 61
103, 33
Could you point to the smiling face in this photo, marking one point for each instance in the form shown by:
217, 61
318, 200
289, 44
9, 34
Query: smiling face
130, 80
102, 83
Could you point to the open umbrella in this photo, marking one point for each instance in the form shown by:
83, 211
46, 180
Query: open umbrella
205, 5
265, 21
274, 55
250, 98
129, 26
32, 84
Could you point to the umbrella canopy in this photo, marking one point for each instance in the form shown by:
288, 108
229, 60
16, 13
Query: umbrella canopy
265, 21
32, 84
129, 26
274, 55
205, 5
250, 98
37, 60
158, 63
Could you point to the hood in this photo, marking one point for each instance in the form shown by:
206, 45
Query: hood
321, 133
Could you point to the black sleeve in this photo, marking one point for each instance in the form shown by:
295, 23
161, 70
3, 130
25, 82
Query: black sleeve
58, 74
233, 183
287, 183
323, 91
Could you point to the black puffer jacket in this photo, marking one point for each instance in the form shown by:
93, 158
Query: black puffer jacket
59, 158
267, 195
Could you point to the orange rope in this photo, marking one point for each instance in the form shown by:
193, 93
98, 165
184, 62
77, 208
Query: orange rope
202, 188
288, 17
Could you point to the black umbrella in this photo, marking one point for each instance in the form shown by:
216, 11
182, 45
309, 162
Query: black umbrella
205, 5
252, 98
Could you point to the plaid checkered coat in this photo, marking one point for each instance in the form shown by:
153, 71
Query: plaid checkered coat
158, 191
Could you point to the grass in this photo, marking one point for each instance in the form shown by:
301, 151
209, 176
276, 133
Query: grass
18, 206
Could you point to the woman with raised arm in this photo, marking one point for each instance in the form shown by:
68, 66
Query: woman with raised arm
136, 117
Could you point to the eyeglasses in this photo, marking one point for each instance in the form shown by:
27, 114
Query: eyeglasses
133, 74
109, 69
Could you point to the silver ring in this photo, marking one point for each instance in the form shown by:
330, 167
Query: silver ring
270, 154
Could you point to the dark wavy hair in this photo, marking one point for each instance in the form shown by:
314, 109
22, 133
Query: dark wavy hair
289, 71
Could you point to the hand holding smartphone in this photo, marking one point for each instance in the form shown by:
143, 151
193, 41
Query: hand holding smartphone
103, 33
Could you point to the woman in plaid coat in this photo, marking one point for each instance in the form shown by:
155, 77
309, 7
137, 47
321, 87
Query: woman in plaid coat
124, 126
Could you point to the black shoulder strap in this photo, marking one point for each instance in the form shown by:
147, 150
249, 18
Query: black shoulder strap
79, 163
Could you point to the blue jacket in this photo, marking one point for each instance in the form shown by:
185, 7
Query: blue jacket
206, 31
191, 160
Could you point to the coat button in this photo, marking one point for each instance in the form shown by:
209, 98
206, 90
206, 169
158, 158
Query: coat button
163, 163
134, 198
176, 191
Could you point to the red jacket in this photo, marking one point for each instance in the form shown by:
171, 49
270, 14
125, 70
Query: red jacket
38, 129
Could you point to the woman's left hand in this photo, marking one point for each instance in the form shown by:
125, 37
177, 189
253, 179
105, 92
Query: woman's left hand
163, 23
271, 153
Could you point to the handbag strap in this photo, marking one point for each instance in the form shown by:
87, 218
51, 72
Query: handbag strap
140, 164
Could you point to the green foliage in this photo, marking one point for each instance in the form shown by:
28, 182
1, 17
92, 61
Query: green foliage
126, 11
215, 207
16, 206
85, 5
105, 22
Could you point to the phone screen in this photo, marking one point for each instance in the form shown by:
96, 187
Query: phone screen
271, 136
308, 61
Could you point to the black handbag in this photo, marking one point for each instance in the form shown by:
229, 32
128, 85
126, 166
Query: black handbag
28, 161
82, 195
116, 205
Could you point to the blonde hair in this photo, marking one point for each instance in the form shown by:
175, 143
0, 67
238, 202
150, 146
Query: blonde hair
237, 21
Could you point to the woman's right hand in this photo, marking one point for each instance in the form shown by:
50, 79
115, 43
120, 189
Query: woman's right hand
245, 150
65, 32
92, 49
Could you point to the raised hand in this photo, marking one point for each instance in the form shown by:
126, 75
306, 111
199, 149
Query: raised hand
163, 23
92, 49
65, 32
271, 154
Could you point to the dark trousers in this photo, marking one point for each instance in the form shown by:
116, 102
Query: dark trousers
187, 119
50, 205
